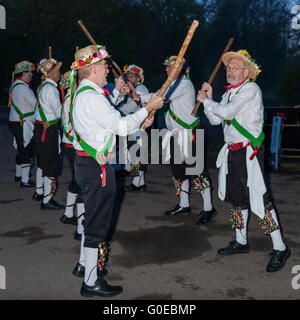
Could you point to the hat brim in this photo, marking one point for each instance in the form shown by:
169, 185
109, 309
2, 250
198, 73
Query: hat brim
235, 55
57, 67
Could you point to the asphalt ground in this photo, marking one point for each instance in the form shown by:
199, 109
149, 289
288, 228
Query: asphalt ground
153, 256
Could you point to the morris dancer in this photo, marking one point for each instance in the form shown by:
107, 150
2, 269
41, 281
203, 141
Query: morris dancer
95, 123
46, 134
129, 105
178, 117
22, 103
241, 160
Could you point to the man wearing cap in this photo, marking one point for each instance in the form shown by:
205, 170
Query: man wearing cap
132, 102
181, 96
46, 137
95, 123
22, 103
241, 160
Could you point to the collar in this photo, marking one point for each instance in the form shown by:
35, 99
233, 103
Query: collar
51, 81
102, 91
25, 82
229, 87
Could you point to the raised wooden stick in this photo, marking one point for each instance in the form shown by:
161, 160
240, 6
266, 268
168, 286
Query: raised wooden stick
212, 76
84, 29
176, 66
50, 52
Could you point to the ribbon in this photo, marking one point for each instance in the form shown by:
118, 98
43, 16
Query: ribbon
105, 92
254, 153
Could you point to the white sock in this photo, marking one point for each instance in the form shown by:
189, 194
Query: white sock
71, 199
47, 190
80, 217
39, 181
241, 234
184, 196
206, 196
276, 236
136, 181
142, 178
90, 274
127, 166
25, 172
82, 256
18, 170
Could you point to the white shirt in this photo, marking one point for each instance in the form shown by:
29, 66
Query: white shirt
65, 117
95, 119
25, 100
245, 105
130, 106
182, 96
50, 101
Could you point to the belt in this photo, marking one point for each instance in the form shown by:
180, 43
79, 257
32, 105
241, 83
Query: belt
238, 146
68, 145
82, 153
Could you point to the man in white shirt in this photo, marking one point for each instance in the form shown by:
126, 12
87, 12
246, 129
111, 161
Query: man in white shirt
95, 123
46, 136
241, 160
21, 119
132, 102
181, 95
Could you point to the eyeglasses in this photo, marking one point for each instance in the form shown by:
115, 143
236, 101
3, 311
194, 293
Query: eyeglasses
234, 69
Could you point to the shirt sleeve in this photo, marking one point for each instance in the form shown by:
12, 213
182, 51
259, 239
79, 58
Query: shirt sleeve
111, 119
238, 105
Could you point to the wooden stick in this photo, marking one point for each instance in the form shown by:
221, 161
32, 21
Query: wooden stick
84, 29
50, 52
212, 76
77, 48
176, 66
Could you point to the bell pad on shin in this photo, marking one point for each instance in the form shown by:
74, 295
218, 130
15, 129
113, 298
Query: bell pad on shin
236, 218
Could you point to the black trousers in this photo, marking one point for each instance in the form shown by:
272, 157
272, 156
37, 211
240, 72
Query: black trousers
98, 200
47, 151
24, 154
237, 191
179, 169
73, 185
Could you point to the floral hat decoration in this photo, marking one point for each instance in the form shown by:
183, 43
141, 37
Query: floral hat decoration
89, 55
65, 79
135, 69
243, 55
46, 66
171, 61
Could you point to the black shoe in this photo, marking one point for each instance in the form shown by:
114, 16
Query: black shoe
64, 219
37, 197
143, 188
205, 216
77, 236
51, 205
278, 259
29, 184
17, 179
233, 248
79, 270
178, 209
131, 188
101, 288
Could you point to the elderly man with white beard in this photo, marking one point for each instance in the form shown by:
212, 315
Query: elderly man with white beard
241, 160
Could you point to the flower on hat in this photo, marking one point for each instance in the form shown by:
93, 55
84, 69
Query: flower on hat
125, 68
247, 55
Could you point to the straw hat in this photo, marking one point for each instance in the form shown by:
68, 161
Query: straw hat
65, 79
24, 66
135, 69
245, 57
171, 61
46, 66
89, 55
